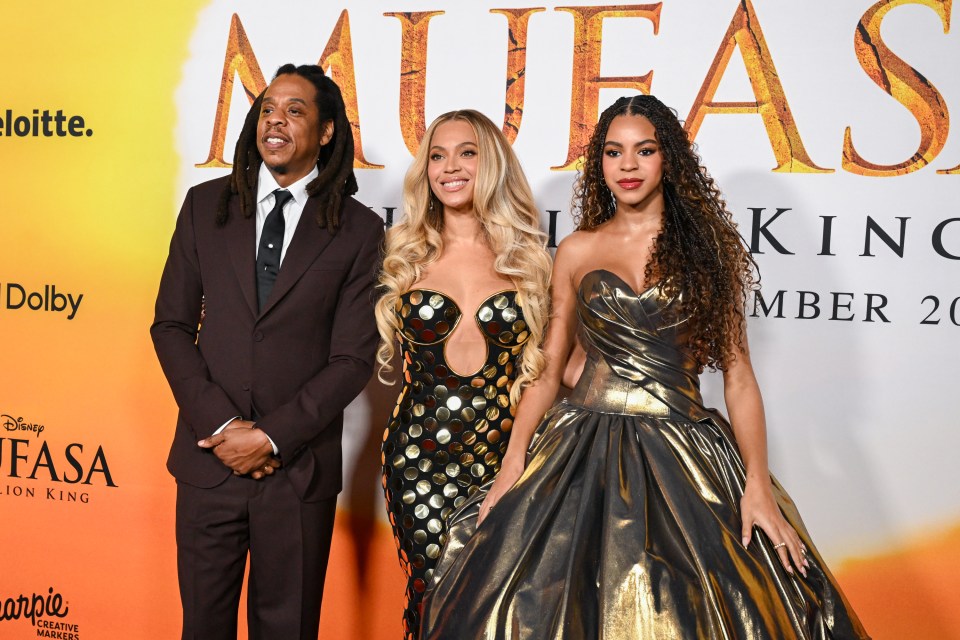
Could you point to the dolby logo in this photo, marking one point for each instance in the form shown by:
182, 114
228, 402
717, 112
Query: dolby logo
48, 298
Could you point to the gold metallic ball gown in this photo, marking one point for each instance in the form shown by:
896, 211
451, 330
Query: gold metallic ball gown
625, 524
448, 431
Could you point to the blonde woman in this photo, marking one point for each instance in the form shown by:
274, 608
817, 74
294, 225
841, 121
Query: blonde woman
464, 293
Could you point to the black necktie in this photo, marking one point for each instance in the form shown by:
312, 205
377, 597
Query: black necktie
271, 243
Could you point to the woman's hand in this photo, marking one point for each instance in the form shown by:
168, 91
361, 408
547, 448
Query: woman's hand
510, 472
758, 508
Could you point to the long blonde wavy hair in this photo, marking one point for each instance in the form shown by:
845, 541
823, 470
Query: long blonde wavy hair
503, 203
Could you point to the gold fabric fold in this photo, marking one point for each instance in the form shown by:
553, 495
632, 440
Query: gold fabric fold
625, 524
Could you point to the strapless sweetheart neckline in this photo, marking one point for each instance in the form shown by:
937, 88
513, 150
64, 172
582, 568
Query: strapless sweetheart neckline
630, 288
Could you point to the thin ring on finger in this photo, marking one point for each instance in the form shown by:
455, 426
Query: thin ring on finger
779, 545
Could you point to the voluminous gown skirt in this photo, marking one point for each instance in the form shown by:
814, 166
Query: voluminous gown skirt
625, 524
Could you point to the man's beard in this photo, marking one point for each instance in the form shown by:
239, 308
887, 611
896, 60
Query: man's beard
278, 168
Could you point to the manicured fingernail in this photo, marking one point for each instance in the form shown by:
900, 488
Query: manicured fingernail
745, 542
202, 442
790, 570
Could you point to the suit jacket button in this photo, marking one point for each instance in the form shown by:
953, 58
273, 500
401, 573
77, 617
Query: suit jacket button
246, 387
258, 336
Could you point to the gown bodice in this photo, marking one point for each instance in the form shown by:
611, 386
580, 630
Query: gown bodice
636, 361
427, 320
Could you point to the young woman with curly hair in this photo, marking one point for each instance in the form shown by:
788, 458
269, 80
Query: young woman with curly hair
465, 294
640, 513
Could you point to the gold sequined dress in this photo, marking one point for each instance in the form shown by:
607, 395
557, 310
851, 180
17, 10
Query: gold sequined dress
625, 524
448, 431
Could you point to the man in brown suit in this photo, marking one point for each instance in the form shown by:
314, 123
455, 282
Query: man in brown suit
265, 331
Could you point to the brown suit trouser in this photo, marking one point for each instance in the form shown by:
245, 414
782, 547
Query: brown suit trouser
288, 543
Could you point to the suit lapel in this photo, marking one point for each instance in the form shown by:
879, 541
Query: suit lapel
309, 240
241, 240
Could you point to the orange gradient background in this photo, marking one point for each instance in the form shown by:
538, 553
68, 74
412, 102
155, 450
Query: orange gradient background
93, 215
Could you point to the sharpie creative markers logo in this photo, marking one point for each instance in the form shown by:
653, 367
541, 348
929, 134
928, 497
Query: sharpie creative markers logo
34, 607
45, 612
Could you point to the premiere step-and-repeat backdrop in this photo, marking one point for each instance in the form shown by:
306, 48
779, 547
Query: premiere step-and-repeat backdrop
827, 125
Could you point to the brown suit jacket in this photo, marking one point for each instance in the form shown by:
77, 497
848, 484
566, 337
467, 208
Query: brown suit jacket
295, 365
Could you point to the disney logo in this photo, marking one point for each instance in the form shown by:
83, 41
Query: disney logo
17, 424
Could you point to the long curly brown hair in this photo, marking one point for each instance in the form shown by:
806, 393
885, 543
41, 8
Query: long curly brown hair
699, 257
